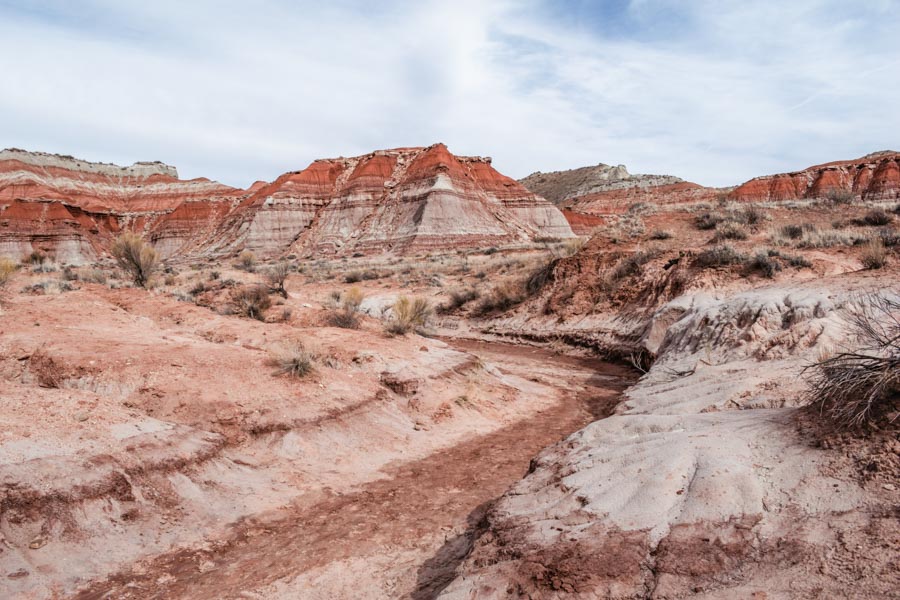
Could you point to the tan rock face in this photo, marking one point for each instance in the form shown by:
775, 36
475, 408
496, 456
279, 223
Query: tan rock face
873, 177
400, 200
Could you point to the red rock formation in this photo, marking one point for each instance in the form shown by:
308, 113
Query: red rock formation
872, 177
71, 208
406, 199
401, 200
618, 201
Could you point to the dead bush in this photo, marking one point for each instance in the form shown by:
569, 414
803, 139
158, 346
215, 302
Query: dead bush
135, 257
408, 315
48, 372
251, 301
660, 234
502, 297
874, 254
539, 277
276, 277
293, 360
857, 387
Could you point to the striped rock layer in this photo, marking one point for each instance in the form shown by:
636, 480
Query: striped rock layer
402, 200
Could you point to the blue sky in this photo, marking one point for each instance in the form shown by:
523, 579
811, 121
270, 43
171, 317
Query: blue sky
713, 91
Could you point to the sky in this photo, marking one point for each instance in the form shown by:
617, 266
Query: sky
715, 92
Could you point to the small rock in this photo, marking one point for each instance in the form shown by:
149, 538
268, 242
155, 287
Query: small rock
17, 574
81, 417
889, 486
38, 542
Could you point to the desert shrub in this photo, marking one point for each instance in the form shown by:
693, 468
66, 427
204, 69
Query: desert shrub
276, 277
708, 220
7, 268
660, 234
795, 231
765, 262
170, 280
69, 274
408, 315
246, 261
293, 360
36, 258
876, 218
198, 288
729, 230
251, 301
854, 388
633, 264
839, 196
752, 215
889, 237
353, 277
347, 316
797, 261
874, 254
719, 256
214, 275
458, 299
135, 257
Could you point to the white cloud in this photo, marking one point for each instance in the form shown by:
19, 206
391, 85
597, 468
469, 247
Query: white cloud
726, 91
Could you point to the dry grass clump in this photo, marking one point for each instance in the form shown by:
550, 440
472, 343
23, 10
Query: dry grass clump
251, 301
293, 360
7, 268
246, 261
660, 234
719, 256
276, 277
408, 315
135, 257
765, 262
729, 230
874, 254
817, 238
347, 315
858, 387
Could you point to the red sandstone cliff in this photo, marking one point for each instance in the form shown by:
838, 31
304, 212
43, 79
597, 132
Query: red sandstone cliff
873, 177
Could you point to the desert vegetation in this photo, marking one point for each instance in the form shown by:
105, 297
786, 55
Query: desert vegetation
7, 268
251, 301
346, 314
408, 314
136, 257
293, 359
854, 388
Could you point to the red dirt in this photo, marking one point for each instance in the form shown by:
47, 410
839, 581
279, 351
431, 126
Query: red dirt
408, 510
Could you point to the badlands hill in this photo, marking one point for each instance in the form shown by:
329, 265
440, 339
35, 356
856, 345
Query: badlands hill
401, 200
